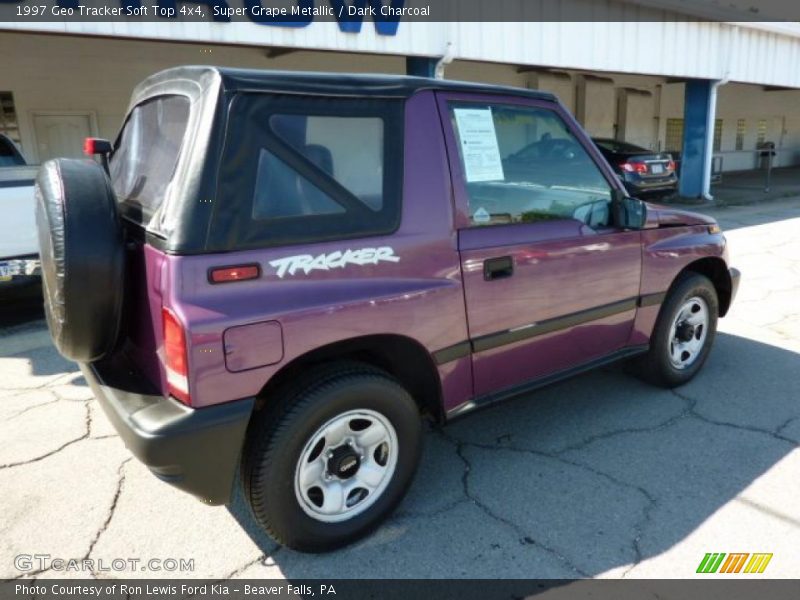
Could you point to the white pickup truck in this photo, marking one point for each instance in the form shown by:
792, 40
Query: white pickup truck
19, 249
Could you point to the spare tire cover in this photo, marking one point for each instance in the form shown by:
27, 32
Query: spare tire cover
83, 257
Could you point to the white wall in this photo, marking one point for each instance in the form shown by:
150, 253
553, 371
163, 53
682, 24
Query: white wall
780, 110
645, 41
61, 74
636, 117
464, 70
599, 114
561, 84
596, 105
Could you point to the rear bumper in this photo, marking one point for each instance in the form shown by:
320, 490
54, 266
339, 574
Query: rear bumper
736, 276
640, 186
196, 450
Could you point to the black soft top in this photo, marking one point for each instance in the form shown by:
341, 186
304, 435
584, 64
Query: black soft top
181, 225
321, 84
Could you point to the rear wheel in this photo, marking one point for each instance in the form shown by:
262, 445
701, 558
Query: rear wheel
331, 456
683, 334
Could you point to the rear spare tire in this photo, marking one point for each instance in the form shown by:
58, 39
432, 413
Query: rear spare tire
83, 257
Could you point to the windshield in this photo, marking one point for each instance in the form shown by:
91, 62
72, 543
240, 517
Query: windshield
146, 153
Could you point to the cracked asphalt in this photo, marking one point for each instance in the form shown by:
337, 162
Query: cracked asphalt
599, 476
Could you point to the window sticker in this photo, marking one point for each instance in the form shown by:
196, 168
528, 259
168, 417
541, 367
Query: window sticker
481, 216
479, 144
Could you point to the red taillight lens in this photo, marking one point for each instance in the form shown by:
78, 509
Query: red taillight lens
671, 166
634, 167
175, 360
237, 273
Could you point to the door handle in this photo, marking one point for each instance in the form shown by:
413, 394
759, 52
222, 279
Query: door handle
498, 268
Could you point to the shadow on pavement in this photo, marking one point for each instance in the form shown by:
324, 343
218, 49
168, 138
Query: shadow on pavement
21, 304
589, 475
21, 314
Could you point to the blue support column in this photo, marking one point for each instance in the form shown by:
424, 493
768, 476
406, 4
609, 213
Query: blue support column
698, 117
421, 66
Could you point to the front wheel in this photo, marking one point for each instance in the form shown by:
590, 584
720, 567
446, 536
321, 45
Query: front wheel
683, 334
331, 457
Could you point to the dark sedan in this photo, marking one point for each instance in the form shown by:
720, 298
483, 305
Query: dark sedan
644, 172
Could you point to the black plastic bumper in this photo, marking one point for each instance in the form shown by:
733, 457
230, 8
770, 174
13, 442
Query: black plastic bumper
196, 450
644, 190
736, 276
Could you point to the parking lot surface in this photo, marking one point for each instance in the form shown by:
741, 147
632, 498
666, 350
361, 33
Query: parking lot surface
600, 476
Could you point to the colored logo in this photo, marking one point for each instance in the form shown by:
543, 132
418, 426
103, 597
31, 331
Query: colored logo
737, 562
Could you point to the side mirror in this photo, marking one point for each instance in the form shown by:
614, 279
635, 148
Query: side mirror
635, 213
629, 213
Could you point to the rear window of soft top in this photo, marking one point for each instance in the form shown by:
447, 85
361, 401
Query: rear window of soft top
146, 153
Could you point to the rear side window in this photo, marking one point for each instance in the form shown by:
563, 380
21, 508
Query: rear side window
311, 169
282, 193
146, 153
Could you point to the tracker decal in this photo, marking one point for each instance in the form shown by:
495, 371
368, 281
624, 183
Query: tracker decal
306, 263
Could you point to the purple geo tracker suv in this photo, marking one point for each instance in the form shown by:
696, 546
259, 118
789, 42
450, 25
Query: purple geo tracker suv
281, 274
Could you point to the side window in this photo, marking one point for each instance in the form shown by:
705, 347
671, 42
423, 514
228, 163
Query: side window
523, 165
311, 169
348, 149
281, 192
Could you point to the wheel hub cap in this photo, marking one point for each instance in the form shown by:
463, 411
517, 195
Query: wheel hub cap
689, 332
685, 332
344, 462
346, 465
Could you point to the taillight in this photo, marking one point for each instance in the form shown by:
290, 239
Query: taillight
671, 166
634, 167
175, 360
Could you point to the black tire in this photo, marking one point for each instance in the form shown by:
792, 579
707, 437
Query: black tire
655, 366
279, 433
83, 257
